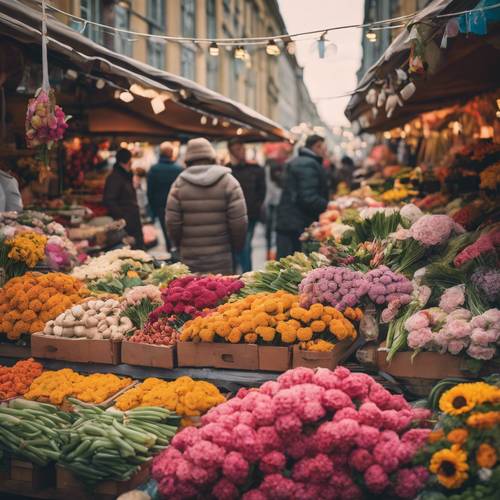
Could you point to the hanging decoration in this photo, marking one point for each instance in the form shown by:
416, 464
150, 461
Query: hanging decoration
417, 58
45, 120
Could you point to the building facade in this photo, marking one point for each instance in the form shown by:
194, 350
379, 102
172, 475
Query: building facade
271, 85
377, 10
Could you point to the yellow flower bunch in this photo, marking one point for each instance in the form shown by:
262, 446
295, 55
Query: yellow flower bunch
28, 247
462, 398
490, 177
27, 302
271, 317
318, 345
185, 396
56, 386
450, 466
397, 194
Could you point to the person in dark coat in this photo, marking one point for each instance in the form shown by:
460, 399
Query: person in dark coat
252, 179
161, 176
304, 197
120, 197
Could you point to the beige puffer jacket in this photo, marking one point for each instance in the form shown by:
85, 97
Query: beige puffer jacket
207, 218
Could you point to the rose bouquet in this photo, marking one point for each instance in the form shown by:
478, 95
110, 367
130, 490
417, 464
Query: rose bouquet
309, 434
273, 318
190, 296
461, 454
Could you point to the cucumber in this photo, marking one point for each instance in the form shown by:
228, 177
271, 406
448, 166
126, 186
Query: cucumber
26, 404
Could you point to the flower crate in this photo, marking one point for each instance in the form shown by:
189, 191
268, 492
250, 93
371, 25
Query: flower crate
104, 351
67, 482
155, 356
274, 358
314, 359
66, 349
218, 355
35, 477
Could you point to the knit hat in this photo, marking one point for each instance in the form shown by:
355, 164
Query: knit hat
199, 149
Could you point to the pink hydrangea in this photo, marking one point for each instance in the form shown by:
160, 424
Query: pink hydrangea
235, 467
360, 459
418, 339
225, 490
452, 298
273, 462
387, 286
376, 479
335, 399
409, 482
417, 321
278, 486
431, 230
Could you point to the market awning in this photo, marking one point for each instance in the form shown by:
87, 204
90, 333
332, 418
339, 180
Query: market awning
466, 68
226, 118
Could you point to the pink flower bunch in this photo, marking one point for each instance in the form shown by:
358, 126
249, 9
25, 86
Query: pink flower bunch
45, 121
455, 332
452, 298
486, 243
386, 286
325, 434
191, 294
136, 294
339, 287
431, 230
60, 253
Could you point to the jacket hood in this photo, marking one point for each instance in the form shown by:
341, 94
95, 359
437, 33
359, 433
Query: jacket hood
310, 154
204, 175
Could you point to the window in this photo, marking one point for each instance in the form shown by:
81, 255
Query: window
91, 11
122, 20
156, 26
188, 23
227, 5
212, 62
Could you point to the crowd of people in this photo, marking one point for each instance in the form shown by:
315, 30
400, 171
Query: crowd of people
208, 212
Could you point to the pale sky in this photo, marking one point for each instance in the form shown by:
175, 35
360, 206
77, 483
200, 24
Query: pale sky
336, 74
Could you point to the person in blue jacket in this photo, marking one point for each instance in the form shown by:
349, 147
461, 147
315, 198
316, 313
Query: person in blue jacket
161, 176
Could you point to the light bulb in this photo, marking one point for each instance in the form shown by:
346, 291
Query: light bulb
371, 36
126, 96
100, 84
215, 121
158, 105
203, 120
213, 50
239, 131
240, 53
290, 47
272, 49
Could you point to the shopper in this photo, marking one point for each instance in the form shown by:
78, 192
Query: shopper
161, 176
206, 212
120, 197
304, 197
252, 179
10, 198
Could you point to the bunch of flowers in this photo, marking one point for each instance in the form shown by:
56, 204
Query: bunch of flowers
139, 302
60, 253
16, 380
339, 287
486, 243
56, 386
158, 332
165, 274
432, 230
450, 328
386, 286
323, 434
487, 281
272, 318
468, 216
29, 301
462, 452
31, 219
45, 120
191, 295
490, 177
187, 397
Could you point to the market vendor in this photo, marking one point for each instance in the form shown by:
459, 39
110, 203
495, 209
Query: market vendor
206, 212
10, 197
120, 197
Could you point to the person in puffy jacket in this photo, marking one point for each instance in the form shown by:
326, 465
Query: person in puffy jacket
304, 197
206, 212
10, 198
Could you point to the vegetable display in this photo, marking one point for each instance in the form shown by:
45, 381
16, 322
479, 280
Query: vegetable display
93, 319
158, 332
16, 380
306, 435
56, 386
165, 274
271, 318
113, 445
29, 301
33, 431
184, 396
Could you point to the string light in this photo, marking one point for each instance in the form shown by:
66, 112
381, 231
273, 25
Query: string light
371, 36
203, 120
272, 49
126, 96
322, 45
290, 47
215, 121
213, 50
240, 53
239, 131
100, 84
117, 94
158, 105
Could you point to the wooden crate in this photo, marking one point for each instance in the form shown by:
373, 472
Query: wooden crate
104, 351
34, 476
274, 358
312, 359
156, 356
218, 355
62, 348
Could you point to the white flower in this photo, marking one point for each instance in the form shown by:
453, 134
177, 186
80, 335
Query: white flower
411, 212
484, 474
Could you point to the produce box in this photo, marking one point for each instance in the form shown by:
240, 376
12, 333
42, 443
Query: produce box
156, 356
104, 351
218, 355
428, 365
67, 349
313, 359
8, 350
67, 482
274, 358
36, 477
